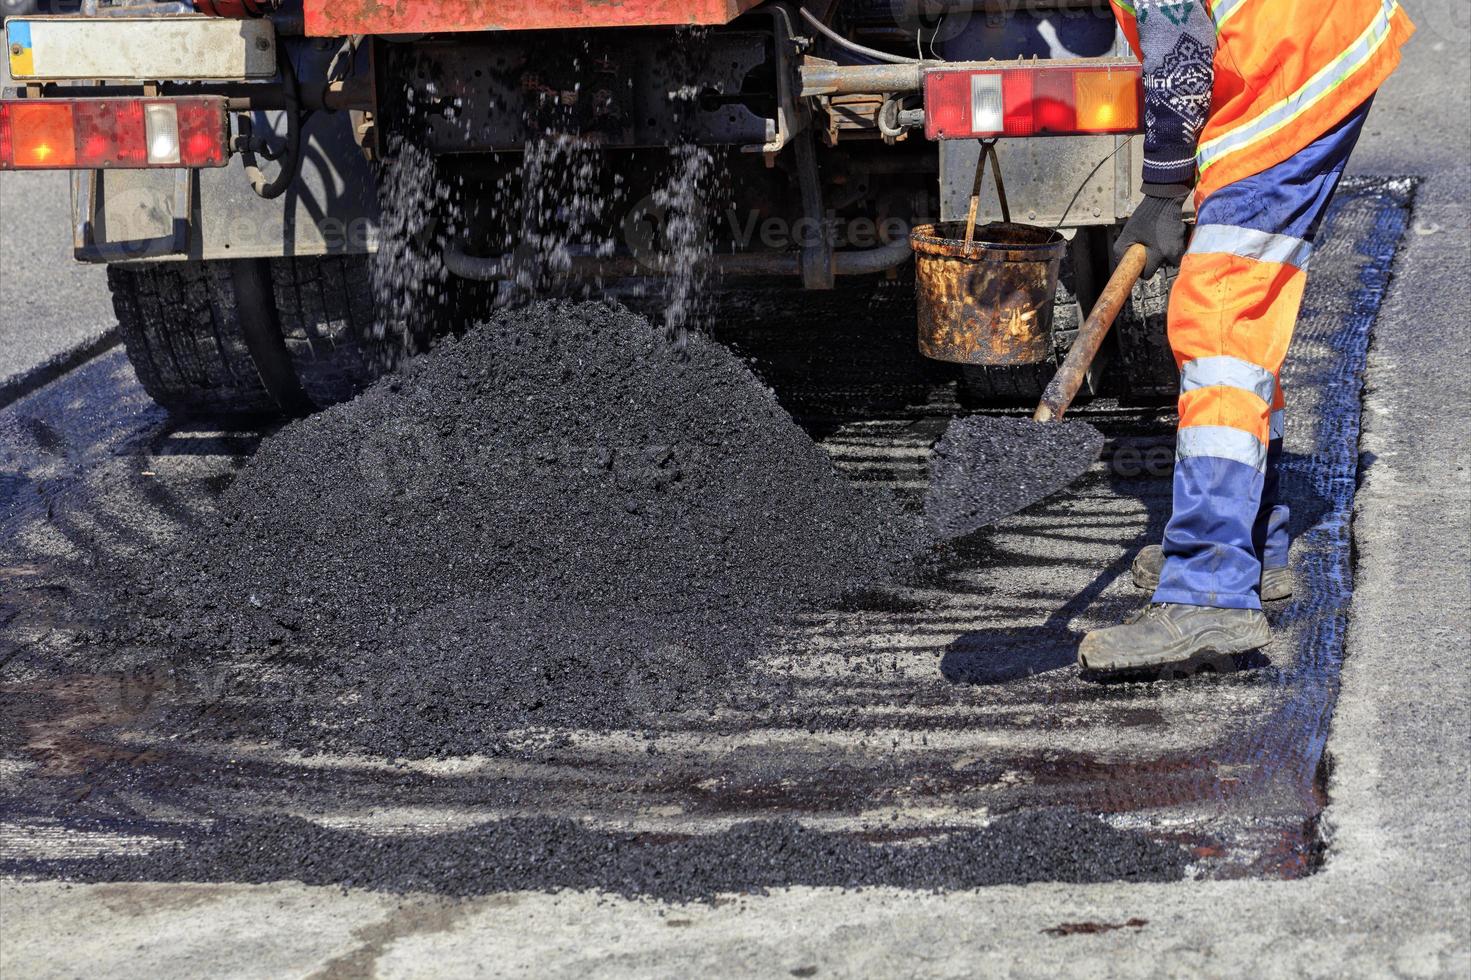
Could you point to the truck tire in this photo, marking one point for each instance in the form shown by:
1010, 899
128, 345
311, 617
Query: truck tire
829, 355
202, 337
1147, 366
1019, 385
325, 308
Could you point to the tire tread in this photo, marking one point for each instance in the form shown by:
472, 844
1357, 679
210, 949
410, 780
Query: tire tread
327, 315
180, 324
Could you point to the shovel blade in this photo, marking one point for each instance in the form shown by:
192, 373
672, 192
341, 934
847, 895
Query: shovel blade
988, 467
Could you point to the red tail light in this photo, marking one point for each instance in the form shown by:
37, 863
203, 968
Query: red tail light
1033, 101
86, 134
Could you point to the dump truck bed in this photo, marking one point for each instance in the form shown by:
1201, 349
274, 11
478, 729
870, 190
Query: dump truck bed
331, 18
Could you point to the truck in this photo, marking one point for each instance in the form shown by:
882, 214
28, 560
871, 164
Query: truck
290, 195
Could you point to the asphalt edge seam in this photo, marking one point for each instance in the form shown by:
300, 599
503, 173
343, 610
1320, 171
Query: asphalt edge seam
33, 379
1325, 823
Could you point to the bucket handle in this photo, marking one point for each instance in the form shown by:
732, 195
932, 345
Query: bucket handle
988, 152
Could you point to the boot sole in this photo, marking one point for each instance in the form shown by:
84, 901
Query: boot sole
1186, 656
1276, 583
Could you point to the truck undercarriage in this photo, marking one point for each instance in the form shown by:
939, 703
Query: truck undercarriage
404, 161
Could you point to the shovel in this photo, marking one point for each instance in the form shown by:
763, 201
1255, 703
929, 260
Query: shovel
987, 467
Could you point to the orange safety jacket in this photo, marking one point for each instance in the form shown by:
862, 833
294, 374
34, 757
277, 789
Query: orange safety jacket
1286, 72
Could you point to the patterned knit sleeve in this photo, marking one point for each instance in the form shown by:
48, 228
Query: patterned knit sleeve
1178, 42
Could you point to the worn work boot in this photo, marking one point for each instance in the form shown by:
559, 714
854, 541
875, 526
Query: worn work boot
1170, 638
1150, 562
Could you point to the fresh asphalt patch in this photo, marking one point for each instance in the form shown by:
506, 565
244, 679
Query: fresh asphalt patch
927, 729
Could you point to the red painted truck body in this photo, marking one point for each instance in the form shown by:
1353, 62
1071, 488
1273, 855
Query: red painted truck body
333, 18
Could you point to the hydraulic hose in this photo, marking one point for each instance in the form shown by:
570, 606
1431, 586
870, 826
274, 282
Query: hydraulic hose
289, 156
859, 262
869, 261
843, 42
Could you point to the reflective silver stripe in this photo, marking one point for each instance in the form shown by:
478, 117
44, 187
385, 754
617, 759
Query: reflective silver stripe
1278, 425
1330, 77
1232, 372
1251, 244
1222, 442
1224, 9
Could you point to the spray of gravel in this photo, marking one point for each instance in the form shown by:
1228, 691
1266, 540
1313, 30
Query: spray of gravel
408, 269
687, 241
561, 202
420, 213
558, 202
696, 180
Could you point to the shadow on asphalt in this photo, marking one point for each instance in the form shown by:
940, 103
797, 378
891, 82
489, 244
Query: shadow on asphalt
1000, 656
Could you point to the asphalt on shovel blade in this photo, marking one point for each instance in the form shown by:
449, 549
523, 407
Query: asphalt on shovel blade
988, 467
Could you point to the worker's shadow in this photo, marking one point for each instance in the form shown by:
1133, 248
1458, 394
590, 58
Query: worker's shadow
1303, 493
1011, 653
1003, 655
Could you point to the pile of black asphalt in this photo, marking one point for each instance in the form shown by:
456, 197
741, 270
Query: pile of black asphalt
560, 519
549, 854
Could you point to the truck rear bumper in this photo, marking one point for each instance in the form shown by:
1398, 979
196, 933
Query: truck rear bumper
333, 18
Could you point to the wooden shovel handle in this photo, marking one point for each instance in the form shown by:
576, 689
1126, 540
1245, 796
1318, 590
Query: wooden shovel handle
1069, 378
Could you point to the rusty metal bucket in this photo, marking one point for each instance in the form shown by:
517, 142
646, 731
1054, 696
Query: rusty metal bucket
987, 301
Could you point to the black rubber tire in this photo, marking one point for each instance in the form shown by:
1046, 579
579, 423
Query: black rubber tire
1021, 385
326, 312
1146, 365
202, 337
829, 355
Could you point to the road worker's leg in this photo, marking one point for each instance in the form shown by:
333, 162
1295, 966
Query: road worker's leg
1231, 319
1232, 314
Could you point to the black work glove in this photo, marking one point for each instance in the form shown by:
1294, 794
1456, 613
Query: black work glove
1158, 223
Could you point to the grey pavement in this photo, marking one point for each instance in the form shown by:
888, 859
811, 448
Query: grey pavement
1394, 896
48, 302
